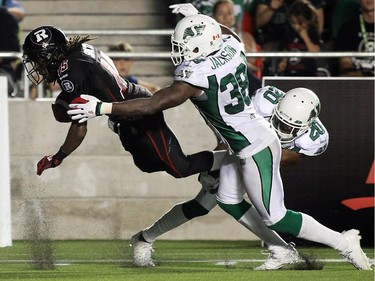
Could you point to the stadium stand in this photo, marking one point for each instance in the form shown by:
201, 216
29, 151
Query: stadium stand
110, 16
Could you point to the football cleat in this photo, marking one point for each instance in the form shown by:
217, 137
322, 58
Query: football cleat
279, 256
142, 252
353, 253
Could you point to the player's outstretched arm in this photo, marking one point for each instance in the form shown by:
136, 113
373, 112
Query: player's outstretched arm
74, 138
168, 97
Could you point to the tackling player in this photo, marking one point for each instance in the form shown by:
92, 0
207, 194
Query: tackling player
310, 138
211, 72
82, 68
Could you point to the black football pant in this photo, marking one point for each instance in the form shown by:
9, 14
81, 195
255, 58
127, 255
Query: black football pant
154, 147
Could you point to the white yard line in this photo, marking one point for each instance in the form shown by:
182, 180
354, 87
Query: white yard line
218, 262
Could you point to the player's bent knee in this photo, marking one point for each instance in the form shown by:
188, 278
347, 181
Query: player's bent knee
235, 210
193, 209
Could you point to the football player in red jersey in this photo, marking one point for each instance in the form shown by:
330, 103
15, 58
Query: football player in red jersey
82, 68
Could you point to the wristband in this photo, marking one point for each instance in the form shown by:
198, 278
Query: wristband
60, 155
104, 108
97, 108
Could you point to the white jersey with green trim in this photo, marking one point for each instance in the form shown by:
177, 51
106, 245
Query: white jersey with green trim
225, 102
312, 143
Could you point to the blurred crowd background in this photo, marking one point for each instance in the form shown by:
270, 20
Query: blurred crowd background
264, 26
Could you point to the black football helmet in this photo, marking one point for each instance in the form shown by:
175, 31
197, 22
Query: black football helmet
43, 51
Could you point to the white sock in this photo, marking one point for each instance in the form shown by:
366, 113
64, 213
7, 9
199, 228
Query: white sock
253, 222
170, 220
314, 231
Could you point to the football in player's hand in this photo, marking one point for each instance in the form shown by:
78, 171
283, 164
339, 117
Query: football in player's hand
78, 100
60, 108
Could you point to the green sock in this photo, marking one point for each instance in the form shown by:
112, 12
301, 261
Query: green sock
291, 223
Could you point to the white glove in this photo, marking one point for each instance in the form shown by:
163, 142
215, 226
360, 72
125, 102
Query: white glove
209, 182
184, 9
85, 111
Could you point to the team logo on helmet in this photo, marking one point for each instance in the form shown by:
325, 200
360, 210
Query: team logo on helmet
41, 36
193, 31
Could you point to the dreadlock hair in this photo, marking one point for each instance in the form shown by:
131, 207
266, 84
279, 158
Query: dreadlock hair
76, 42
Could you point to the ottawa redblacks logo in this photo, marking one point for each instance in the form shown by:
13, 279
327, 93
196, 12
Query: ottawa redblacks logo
41, 36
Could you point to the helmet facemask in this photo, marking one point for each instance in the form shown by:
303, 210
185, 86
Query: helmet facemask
285, 130
43, 65
179, 51
34, 72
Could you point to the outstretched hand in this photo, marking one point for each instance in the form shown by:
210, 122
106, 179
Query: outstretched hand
50, 161
85, 111
47, 162
184, 9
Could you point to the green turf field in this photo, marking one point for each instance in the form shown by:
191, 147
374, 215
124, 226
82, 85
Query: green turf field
176, 260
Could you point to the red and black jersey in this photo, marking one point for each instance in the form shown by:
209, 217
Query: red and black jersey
90, 71
151, 142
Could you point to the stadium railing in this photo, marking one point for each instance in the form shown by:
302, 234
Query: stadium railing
166, 55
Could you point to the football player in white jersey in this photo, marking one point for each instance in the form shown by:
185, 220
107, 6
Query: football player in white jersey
312, 141
312, 137
211, 72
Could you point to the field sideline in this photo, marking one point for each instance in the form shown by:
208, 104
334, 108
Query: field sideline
176, 260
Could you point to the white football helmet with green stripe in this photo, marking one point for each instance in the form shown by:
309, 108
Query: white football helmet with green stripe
195, 37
